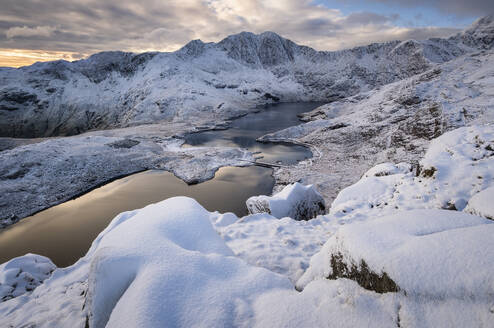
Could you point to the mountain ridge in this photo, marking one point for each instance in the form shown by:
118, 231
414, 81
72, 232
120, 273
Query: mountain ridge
216, 80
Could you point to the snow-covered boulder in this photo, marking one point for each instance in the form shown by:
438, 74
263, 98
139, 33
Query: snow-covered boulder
225, 219
23, 274
167, 266
430, 254
482, 204
296, 201
385, 169
367, 194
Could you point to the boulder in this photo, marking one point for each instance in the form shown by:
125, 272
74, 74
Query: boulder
425, 254
481, 204
23, 274
296, 201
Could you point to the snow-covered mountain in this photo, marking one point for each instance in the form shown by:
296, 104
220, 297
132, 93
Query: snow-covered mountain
403, 245
213, 80
392, 123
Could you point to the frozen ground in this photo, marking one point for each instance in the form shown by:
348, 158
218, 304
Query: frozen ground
391, 257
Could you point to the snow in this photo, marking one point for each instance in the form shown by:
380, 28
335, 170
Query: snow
393, 123
325, 303
225, 219
280, 245
482, 204
296, 201
23, 274
399, 244
173, 253
177, 258
406, 245
367, 193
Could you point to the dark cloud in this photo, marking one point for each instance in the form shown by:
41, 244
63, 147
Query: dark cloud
366, 18
457, 7
87, 26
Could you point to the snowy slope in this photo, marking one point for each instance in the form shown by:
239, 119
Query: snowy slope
213, 80
393, 123
413, 266
459, 158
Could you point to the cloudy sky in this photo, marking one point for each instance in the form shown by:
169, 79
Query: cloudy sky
33, 30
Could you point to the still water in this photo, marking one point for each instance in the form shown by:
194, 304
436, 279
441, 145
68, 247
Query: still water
65, 232
244, 131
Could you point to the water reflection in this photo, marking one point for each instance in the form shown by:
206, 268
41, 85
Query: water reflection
245, 130
65, 232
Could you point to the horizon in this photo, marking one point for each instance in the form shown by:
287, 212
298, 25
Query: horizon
72, 30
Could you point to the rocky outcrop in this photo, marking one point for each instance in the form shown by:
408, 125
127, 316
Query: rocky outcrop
398, 252
480, 34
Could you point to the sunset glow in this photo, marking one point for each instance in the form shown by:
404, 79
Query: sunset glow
19, 57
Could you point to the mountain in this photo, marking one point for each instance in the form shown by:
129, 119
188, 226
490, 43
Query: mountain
208, 80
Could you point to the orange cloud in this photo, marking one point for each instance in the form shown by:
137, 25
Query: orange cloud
22, 57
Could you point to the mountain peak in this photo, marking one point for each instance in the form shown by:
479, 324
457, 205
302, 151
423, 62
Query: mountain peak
264, 50
193, 48
480, 33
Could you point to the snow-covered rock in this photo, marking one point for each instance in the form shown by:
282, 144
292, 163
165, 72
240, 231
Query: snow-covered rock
225, 219
23, 274
482, 204
457, 166
296, 201
169, 257
432, 254
385, 169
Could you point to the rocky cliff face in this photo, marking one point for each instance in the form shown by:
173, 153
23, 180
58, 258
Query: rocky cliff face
217, 80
